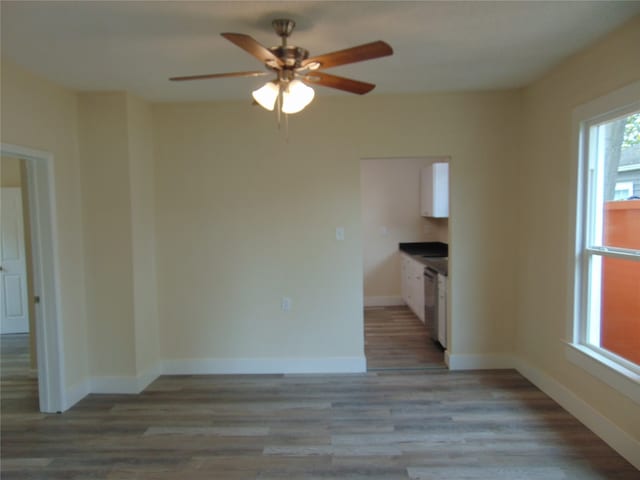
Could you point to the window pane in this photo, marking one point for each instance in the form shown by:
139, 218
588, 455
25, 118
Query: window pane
619, 327
616, 188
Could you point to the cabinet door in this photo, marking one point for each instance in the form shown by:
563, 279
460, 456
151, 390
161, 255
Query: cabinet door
412, 284
420, 292
426, 192
418, 285
434, 190
405, 275
417, 288
442, 310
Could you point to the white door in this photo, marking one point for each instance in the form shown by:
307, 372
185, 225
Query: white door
14, 311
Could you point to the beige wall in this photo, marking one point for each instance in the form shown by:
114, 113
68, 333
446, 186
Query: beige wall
10, 172
545, 190
142, 178
245, 217
106, 195
118, 200
39, 115
390, 189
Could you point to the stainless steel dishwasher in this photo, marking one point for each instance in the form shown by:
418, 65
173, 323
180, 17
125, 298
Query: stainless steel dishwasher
435, 303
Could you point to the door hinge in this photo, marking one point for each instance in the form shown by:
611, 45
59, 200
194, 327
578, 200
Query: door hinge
36, 299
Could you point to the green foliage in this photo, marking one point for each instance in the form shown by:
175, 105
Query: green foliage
631, 131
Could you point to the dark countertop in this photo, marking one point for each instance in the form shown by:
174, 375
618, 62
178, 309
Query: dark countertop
430, 254
432, 249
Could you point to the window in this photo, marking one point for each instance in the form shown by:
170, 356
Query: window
607, 310
623, 191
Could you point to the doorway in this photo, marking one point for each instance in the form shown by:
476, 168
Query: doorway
17, 316
43, 301
395, 337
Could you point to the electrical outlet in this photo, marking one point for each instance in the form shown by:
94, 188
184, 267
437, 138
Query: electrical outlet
340, 233
286, 304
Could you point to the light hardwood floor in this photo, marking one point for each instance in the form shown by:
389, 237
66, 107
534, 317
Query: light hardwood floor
421, 424
396, 339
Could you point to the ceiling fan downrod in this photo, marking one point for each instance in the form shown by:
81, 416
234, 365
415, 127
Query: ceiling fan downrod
283, 27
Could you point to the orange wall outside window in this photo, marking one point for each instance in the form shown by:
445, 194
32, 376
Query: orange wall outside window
620, 327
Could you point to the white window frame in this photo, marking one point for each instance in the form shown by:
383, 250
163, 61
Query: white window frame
612, 369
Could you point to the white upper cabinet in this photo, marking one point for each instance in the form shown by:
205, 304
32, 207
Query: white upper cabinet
434, 190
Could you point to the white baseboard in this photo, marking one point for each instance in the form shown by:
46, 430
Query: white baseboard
111, 384
479, 361
114, 384
124, 384
75, 393
144, 379
383, 301
212, 366
614, 436
136, 384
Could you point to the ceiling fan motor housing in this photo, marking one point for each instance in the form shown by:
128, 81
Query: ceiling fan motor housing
291, 55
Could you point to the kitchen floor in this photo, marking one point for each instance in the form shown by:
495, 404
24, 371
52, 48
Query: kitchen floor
395, 339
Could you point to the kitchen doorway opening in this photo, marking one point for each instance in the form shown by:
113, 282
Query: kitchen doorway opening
395, 336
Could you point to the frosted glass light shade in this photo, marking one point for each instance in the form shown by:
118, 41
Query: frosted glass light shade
266, 95
296, 97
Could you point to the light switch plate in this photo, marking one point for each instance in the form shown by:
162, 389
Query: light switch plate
340, 233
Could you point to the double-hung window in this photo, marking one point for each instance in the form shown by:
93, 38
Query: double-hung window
606, 324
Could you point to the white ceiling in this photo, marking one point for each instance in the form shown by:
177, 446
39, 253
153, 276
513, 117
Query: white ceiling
439, 46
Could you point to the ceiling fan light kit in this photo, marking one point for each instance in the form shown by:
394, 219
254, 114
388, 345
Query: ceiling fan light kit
267, 95
296, 96
294, 70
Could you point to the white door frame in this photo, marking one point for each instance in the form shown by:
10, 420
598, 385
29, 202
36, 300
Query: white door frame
49, 338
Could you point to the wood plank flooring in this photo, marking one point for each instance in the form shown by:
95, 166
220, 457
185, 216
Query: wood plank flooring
423, 424
396, 339
18, 386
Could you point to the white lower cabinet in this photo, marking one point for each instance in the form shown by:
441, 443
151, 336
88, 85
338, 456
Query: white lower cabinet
412, 284
442, 310
404, 277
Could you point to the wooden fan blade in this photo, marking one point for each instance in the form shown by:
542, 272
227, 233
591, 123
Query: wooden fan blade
341, 83
360, 53
219, 75
248, 44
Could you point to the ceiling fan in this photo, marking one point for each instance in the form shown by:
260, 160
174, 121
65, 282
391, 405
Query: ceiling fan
295, 69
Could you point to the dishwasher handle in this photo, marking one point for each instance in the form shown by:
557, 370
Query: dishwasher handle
430, 273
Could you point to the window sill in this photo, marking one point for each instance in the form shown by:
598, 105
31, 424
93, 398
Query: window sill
625, 381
